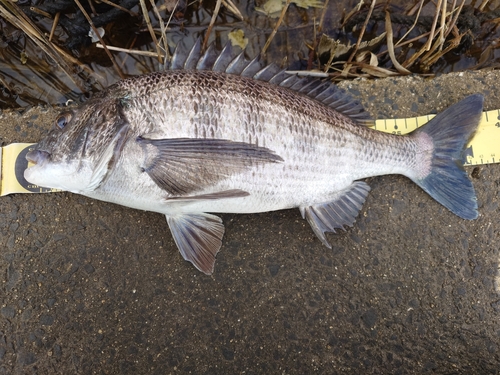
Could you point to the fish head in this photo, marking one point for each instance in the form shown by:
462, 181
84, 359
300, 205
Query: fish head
81, 147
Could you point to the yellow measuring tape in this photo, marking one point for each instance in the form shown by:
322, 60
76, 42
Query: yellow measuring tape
484, 148
13, 163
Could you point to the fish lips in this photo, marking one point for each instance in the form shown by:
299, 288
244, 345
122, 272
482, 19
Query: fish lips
38, 157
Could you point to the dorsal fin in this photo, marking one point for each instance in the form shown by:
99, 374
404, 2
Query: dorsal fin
252, 67
208, 59
268, 72
193, 56
320, 89
178, 58
224, 59
237, 65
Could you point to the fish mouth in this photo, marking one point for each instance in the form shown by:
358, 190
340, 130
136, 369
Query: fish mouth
37, 157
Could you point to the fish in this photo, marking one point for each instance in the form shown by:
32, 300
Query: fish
217, 133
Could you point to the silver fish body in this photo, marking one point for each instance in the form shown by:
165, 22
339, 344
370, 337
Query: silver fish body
321, 152
187, 143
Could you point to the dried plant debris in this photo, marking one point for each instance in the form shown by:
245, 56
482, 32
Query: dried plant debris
335, 49
55, 50
420, 39
273, 8
237, 38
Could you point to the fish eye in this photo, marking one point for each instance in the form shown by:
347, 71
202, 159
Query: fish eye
62, 120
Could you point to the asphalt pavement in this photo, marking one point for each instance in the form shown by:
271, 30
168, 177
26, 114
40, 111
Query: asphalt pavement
89, 287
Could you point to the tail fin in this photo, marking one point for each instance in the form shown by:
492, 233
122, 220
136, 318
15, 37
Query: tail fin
446, 181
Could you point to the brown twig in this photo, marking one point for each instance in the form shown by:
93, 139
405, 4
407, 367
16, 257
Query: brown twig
75, 61
412, 10
312, 49
375, 71
211, 25
455, 18
417, 54
390, 45
162, 27
275, 30
430, 46
435, 46
41, 12
151, 31
362, 32
133, 14
348, 16
409, 41
231, 7
414, 23
443, 25
427, 46
453, 9
117, 68
91, 4
432, 59
54, 25
127, 50
322, 18
316, 32
483, 5
4, 82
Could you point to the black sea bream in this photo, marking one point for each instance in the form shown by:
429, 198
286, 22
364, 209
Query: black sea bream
224, 135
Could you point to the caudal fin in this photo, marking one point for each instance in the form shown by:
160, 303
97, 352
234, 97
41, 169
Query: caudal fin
447, 182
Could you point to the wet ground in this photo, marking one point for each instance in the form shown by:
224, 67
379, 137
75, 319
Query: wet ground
94, 288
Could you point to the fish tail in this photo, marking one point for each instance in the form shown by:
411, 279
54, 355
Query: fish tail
442, 142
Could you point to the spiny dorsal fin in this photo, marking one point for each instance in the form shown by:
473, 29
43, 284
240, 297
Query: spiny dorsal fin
224, 59
208, 59
319, 89
237, 65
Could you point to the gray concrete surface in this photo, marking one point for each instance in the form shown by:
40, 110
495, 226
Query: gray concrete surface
93, 288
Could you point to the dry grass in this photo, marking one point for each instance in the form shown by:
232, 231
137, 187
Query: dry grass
434, 42
96, 32
14, 15
404, 48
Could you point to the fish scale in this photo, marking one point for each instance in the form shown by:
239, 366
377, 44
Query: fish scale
227, 125
189, 143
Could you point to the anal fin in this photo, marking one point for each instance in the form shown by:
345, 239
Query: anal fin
198, 237
326, 217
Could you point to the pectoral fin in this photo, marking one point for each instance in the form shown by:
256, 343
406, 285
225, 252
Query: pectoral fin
326, 217
181, 166
198, 237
